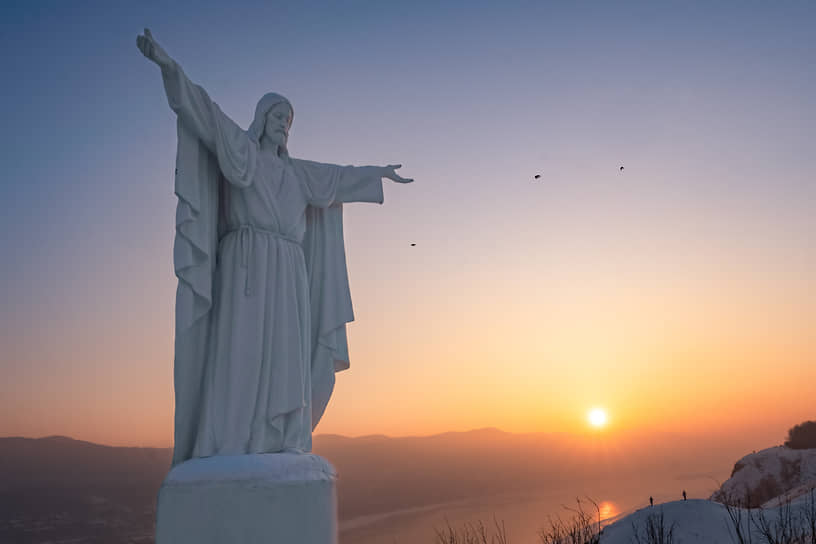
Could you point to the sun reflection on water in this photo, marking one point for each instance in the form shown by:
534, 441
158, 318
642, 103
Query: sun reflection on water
608, 509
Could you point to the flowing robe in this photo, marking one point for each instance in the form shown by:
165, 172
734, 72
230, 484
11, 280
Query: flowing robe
263, 294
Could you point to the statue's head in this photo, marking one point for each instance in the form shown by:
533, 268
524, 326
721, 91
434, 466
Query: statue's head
273, 118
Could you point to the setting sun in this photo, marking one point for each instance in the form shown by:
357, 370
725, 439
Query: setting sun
597, 417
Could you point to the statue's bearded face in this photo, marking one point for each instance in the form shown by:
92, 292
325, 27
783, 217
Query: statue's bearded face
278, 121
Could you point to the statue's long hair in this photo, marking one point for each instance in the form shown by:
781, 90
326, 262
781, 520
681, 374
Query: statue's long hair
266, 103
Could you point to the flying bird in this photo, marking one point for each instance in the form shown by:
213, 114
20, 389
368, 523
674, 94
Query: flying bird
537, 176
621, 168
412, 245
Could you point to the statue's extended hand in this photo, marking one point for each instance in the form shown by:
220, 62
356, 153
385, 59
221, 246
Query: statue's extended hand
389, 172
152, 50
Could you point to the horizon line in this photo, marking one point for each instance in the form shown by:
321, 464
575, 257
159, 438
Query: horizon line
495, 430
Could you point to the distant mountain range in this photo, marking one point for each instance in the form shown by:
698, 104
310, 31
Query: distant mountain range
66, 486
458, 465
57, 488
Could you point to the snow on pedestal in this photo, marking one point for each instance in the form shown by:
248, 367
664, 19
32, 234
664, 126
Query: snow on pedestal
265, 498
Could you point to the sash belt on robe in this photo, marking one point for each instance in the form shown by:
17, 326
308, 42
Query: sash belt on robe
247, 250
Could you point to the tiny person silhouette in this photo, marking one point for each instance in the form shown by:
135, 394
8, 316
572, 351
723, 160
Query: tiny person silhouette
684, 494
651, 501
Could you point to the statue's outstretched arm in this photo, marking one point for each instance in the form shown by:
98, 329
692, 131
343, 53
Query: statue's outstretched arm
190, 101
151, 49
326, 184
389, 172
220, 134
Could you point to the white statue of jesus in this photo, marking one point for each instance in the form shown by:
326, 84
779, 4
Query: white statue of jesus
263, 295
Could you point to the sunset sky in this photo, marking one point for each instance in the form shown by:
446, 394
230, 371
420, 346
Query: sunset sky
679, 294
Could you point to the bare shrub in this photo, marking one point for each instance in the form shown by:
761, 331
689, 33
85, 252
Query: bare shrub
783, 529
655, 530
810, 515
786, 527
472, 534
580, 528
739, 509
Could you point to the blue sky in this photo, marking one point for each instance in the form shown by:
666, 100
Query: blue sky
710, 107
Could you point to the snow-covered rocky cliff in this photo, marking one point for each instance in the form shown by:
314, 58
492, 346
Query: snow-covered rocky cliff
780, 483
765, 475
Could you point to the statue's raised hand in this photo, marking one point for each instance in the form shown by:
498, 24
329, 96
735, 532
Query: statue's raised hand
152, 50
389, 172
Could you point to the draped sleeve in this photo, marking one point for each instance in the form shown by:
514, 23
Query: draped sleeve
327, 184
212, 151
326, 187
236, 152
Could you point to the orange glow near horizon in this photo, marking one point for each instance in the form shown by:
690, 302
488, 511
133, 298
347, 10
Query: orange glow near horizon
684, 379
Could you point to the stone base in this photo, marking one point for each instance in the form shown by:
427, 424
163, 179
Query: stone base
269, 498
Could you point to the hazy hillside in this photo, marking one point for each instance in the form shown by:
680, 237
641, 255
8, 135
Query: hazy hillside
57, 486
459, 465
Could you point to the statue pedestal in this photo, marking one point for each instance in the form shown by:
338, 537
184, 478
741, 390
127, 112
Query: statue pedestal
264, 498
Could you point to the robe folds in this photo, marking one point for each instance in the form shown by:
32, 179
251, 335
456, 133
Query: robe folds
263, 296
